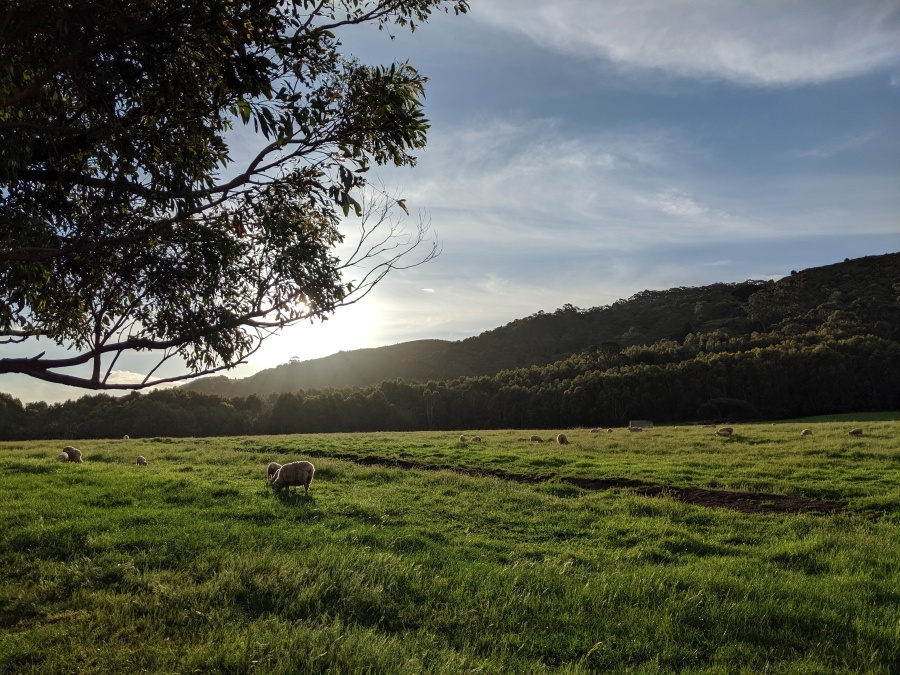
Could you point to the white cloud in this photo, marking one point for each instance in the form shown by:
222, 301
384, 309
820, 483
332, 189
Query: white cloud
763, 42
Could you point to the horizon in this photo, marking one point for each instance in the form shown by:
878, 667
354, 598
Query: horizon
580, 153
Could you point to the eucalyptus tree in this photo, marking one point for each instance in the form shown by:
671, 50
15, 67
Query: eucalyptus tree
130, 221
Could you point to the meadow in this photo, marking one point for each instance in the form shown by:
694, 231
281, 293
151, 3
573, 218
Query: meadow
418, 553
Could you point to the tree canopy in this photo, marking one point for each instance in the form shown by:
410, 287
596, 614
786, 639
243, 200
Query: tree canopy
126, 223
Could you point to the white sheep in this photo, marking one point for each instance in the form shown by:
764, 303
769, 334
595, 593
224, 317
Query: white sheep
126, 437
272, 470
141, 460
725, 431
74, 454
609, 431
462, 439
596, 430
475, 439
293, 474
806, 432
63, 457
856, 432
537, 439
562, 439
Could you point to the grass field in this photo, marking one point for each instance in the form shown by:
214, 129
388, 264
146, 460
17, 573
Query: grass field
416, 553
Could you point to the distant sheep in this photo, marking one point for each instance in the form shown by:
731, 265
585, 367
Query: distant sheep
609, 431
856, 432
74, 454
725, 431
141, 460
475, 439
272, 470
63, 457
126, 437
462, 439
806, 432
537, 439
293, 474
596, 430
635, 428
562, 439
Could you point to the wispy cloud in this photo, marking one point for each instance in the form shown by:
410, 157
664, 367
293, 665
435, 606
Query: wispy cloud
764, 42
836, 146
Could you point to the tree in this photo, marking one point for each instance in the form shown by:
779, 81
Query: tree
126, 223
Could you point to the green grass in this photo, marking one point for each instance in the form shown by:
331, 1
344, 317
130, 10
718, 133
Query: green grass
192, 564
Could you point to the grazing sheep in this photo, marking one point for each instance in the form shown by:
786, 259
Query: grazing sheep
462, 439
272, 470
126, 437
63, 457
635, 428
806, 432
596, 430
293, 474
475, 439
609, 431
537, 439
141, 460
856, 432
725, 431
73, 453
562, 439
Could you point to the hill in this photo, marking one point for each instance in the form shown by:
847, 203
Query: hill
857, 296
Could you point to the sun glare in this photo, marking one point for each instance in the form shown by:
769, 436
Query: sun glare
349, 328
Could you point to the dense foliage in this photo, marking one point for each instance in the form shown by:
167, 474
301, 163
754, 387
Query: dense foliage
132, 218
831, 345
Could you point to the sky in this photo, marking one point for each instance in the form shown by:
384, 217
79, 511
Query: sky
583, 151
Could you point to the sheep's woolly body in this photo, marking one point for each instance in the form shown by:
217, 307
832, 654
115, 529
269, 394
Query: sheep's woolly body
462, 439
476, 439
806, 432
725, 431
63, 457
271, 470
293, 474
537, 439
74, 454
856, 432
141, 460
562, 439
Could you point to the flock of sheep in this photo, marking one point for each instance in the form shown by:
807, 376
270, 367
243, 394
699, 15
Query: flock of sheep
300, 473
292, 474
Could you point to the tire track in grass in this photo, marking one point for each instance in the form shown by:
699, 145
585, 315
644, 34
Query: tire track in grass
745, 502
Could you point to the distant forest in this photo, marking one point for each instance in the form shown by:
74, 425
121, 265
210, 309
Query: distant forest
819, 341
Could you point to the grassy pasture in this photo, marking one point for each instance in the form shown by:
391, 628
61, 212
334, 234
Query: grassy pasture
193, 565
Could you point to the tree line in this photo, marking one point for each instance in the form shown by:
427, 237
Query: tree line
705, 377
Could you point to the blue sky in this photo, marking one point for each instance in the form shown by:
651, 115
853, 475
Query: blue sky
582, 151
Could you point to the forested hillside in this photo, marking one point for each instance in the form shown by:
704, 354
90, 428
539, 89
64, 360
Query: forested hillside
824, 340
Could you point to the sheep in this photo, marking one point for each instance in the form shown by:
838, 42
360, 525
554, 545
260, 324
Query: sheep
63, 457
596, 430
609, 431
293, 474
856, 432
272, 470
141, 460
806, 432
73, 453
725, 431
126, 437
462, 439
475, 439
635, 428
537, 439
562, 439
